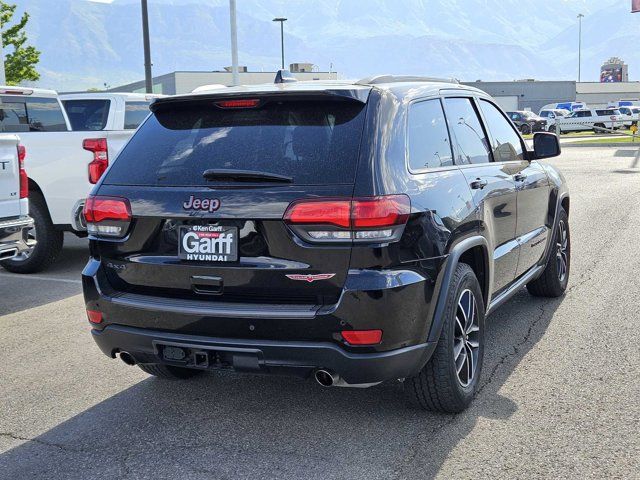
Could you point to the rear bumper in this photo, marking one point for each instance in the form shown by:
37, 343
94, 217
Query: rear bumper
292, 339
262, 356
13, 236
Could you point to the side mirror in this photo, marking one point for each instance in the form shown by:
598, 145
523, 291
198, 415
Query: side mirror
545, 145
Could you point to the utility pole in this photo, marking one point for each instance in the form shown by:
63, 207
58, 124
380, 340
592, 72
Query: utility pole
281, 20
580, 17
148, 79
234, 42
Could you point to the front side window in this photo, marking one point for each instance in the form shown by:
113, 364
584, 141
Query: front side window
429, 145
13, 116
45, 115
505, 142
467, 134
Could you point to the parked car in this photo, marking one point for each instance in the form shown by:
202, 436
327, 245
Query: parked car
569, 106
599, 120
629, 115
15, 222
63, 164
349, 232
550, 114
528, 122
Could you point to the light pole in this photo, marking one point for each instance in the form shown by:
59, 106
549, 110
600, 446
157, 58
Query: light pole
580, 17
234, 42
281, 20
148, 82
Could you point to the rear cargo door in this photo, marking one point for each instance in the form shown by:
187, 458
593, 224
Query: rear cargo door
9, 177
209, 183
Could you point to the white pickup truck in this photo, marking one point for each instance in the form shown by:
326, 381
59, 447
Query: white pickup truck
15, 222
64, 162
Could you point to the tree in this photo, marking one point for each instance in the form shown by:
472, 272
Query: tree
20, 64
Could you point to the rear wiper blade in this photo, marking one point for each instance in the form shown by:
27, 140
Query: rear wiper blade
244, 175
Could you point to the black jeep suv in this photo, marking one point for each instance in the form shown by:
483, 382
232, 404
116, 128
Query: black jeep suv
350, 232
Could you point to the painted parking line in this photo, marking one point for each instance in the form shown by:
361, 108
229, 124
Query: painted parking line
41, 278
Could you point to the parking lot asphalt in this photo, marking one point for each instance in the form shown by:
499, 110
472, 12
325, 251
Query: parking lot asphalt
559, 395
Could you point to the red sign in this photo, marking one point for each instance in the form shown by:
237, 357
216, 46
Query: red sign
635, 6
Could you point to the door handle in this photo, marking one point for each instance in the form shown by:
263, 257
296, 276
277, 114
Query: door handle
478, 184
519, 177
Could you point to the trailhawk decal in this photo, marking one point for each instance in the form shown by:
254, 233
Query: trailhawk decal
312, 278
209, 243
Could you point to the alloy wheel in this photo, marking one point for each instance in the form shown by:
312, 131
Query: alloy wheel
562, 251
466, 343
31, 237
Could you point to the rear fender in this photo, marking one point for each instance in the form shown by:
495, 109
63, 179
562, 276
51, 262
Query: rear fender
444, 280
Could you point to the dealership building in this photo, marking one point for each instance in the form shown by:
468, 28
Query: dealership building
533, 95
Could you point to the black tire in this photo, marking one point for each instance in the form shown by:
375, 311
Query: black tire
600, 126
49, 241
525, 129
553, 281
437, 387
169, 372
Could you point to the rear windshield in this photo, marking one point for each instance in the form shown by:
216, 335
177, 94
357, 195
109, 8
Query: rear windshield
312, 142
87, 115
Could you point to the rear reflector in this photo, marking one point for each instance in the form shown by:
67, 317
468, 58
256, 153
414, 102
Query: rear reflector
361, 219
107, 216
94, 316
240, 103
24, 178
100, 162
362, 337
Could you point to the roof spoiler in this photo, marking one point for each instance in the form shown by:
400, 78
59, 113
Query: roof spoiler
284, 76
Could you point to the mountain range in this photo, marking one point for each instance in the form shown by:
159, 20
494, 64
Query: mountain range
87, 43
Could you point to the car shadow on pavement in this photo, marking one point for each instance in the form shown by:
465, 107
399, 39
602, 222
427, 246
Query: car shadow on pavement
61, 280
249, 426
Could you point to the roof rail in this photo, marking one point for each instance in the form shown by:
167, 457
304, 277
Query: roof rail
284, 76
377, 79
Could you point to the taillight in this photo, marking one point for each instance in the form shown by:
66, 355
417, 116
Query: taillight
367, 219
94, 316
100, 162
24, 179
107, 216
362, 337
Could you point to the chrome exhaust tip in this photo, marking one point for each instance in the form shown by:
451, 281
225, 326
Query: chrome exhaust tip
326, 378
127, 358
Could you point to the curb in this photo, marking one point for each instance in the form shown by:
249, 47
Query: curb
591, 145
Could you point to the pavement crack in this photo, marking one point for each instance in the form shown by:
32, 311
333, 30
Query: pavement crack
515, 349
39, 441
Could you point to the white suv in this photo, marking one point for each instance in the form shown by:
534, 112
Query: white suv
598, 120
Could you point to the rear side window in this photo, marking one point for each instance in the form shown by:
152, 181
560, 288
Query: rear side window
606, 113
467, 134
31, 115
87, 115
45, 115
312, 142
134, 114
505, 142
429, 145
13, 116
